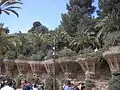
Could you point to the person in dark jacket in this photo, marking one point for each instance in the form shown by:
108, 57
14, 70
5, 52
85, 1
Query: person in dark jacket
25, 85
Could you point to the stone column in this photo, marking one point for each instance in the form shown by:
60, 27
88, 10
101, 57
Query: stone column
9, 66
66, 67
37, 68
48, 64
113, 58
22, 66
88, 67
112, 61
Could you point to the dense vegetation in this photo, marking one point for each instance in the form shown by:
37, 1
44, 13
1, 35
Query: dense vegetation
79, 32
114, 82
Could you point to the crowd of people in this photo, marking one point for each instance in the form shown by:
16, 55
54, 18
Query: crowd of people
69, 86
9, 85
29, 86
25, 85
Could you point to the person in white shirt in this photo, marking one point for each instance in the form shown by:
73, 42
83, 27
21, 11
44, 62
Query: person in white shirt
79, 86
8, 85
35, 87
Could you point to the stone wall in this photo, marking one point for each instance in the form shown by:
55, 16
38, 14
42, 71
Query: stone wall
69, 69
77, 70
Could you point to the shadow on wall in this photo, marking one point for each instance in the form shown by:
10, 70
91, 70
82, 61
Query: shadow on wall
102, 70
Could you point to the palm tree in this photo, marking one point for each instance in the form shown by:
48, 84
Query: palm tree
105, 25
7, 6
109, 29
61, 39
80, 42
22, 44
1, 28
6, 43
37, 40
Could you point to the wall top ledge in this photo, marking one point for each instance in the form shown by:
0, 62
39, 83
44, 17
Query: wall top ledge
112, 51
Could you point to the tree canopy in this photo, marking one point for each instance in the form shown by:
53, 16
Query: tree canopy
78, 32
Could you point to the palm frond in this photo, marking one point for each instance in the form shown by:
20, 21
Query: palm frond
8, 3
7, 6
2, 2
12, 7
7, 12
13, 11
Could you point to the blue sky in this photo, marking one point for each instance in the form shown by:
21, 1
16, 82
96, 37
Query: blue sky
48, 12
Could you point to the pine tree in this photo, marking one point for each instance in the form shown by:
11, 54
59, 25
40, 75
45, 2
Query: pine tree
38, 27
79, 11
109, 6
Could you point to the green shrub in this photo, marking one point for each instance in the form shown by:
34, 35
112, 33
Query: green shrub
49, 83
114, 82
3, 78
38, 57
27, 50
66, 52
22, 57
49, 55
88, 84
18, 79
11, 55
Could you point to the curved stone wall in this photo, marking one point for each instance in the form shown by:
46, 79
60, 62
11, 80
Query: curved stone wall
73, 70
77, 70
